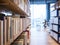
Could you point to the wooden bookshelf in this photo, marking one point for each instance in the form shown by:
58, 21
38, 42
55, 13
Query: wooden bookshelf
15, 24
9, 5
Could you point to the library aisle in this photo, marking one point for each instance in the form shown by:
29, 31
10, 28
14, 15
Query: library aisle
41, 37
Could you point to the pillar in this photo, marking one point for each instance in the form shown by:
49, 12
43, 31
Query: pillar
48, 11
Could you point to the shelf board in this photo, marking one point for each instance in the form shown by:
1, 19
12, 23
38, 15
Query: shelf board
12, 7
56, 32
55, 24
16, 37
54, 39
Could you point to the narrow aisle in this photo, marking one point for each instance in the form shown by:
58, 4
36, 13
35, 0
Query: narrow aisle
40, 37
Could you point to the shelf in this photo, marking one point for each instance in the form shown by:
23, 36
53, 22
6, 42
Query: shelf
55, 36
7, 4
16, 37
56, 32
13, 25
54, 39
55, 24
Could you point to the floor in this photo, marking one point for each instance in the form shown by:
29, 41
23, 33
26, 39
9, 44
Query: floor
41, 37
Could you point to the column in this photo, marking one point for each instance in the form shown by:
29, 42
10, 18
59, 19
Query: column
48, 11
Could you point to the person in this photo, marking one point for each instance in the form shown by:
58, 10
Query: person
45, 24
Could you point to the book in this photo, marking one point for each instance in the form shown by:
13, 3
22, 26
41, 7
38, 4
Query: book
1, 32
9, 31
5, 32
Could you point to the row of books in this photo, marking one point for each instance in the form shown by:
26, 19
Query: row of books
11, 28
25, 22
23, 4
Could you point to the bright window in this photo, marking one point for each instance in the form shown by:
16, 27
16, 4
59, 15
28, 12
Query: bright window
38, 14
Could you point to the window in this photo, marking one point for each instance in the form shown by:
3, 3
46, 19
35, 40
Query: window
38, 14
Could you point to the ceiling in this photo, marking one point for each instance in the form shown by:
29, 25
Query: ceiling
42, 1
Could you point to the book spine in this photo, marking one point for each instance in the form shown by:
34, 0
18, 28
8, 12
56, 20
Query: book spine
5, 31
8, 28
1, 32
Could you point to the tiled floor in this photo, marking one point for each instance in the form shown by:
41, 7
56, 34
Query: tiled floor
41, 37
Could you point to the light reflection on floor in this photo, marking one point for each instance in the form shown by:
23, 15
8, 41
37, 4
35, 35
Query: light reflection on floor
40, 37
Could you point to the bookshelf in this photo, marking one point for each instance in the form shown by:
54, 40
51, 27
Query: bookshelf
15, 6
12, 26
55, 22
